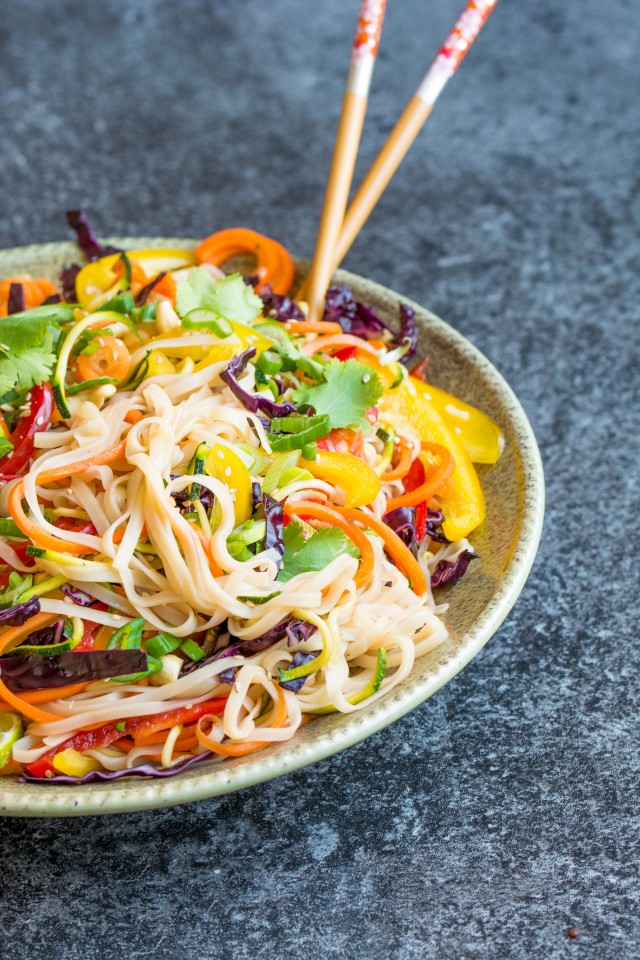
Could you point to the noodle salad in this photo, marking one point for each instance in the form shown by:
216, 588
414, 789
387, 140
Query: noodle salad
218, 519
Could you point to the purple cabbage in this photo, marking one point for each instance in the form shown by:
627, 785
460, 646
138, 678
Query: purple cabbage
20, 613
450, 571
54, 298
277, 307
273, 515
408, 330
68, 282
256, 495
78, 596
252, 402
402, 521
434, 530
299, 657
298, 631
341, 307
144, 770
295, 630
181, 498
15, 303
37, 673
87, 240
143, 296
48, 635
356, 318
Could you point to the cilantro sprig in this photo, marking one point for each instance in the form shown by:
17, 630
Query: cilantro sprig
302, 555
230, 297
347, 392
27, 342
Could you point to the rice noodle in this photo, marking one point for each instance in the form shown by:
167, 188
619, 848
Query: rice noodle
146, 558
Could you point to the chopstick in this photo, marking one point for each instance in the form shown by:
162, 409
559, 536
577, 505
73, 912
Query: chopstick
354, 105
448, 59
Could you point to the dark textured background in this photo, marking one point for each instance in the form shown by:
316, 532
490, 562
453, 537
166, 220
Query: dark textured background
500, 813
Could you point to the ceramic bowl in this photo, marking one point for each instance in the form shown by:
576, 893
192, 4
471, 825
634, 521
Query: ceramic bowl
507, 543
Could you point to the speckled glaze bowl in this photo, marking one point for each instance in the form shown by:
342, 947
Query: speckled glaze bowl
507, 543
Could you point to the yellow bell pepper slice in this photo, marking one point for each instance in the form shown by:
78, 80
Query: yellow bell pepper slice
226, 466
464, 509
159, 364
359, 481
249, 337
216, 354
74, 764
96, 282
481, 436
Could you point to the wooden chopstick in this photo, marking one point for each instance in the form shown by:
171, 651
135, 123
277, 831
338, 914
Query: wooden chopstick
354, 106
448, 59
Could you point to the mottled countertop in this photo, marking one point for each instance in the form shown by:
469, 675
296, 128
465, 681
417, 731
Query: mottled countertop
500, 814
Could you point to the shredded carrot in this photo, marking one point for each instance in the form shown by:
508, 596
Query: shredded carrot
26, 709
54, 693
188, 734
111, 359
399, 553
35, 289
403, 465
216, 570
134, 416
118, 537
47, 476
14, 635
275, 266
435, 475
231, 749
73, 469
313, 326
164, 289
338, 342
335, 517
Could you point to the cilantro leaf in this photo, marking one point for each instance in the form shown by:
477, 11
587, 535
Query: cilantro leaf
302, 556
230, 297
348, 391
21, 372
21, 331
26, 338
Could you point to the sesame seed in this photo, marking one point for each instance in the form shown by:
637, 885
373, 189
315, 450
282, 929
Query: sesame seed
227, 471
220, 454
366, 378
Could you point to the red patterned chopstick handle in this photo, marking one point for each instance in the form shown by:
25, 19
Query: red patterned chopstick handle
365, 45
455, 48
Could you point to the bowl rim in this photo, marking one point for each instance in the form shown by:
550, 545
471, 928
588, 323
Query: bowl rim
216, 779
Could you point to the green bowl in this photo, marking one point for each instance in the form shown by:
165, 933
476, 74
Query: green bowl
507, 543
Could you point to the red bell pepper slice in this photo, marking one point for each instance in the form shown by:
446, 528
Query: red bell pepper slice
135, 726
37, 420
412, 481
348, 353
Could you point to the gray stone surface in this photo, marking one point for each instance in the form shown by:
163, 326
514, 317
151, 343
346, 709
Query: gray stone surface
503, 811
